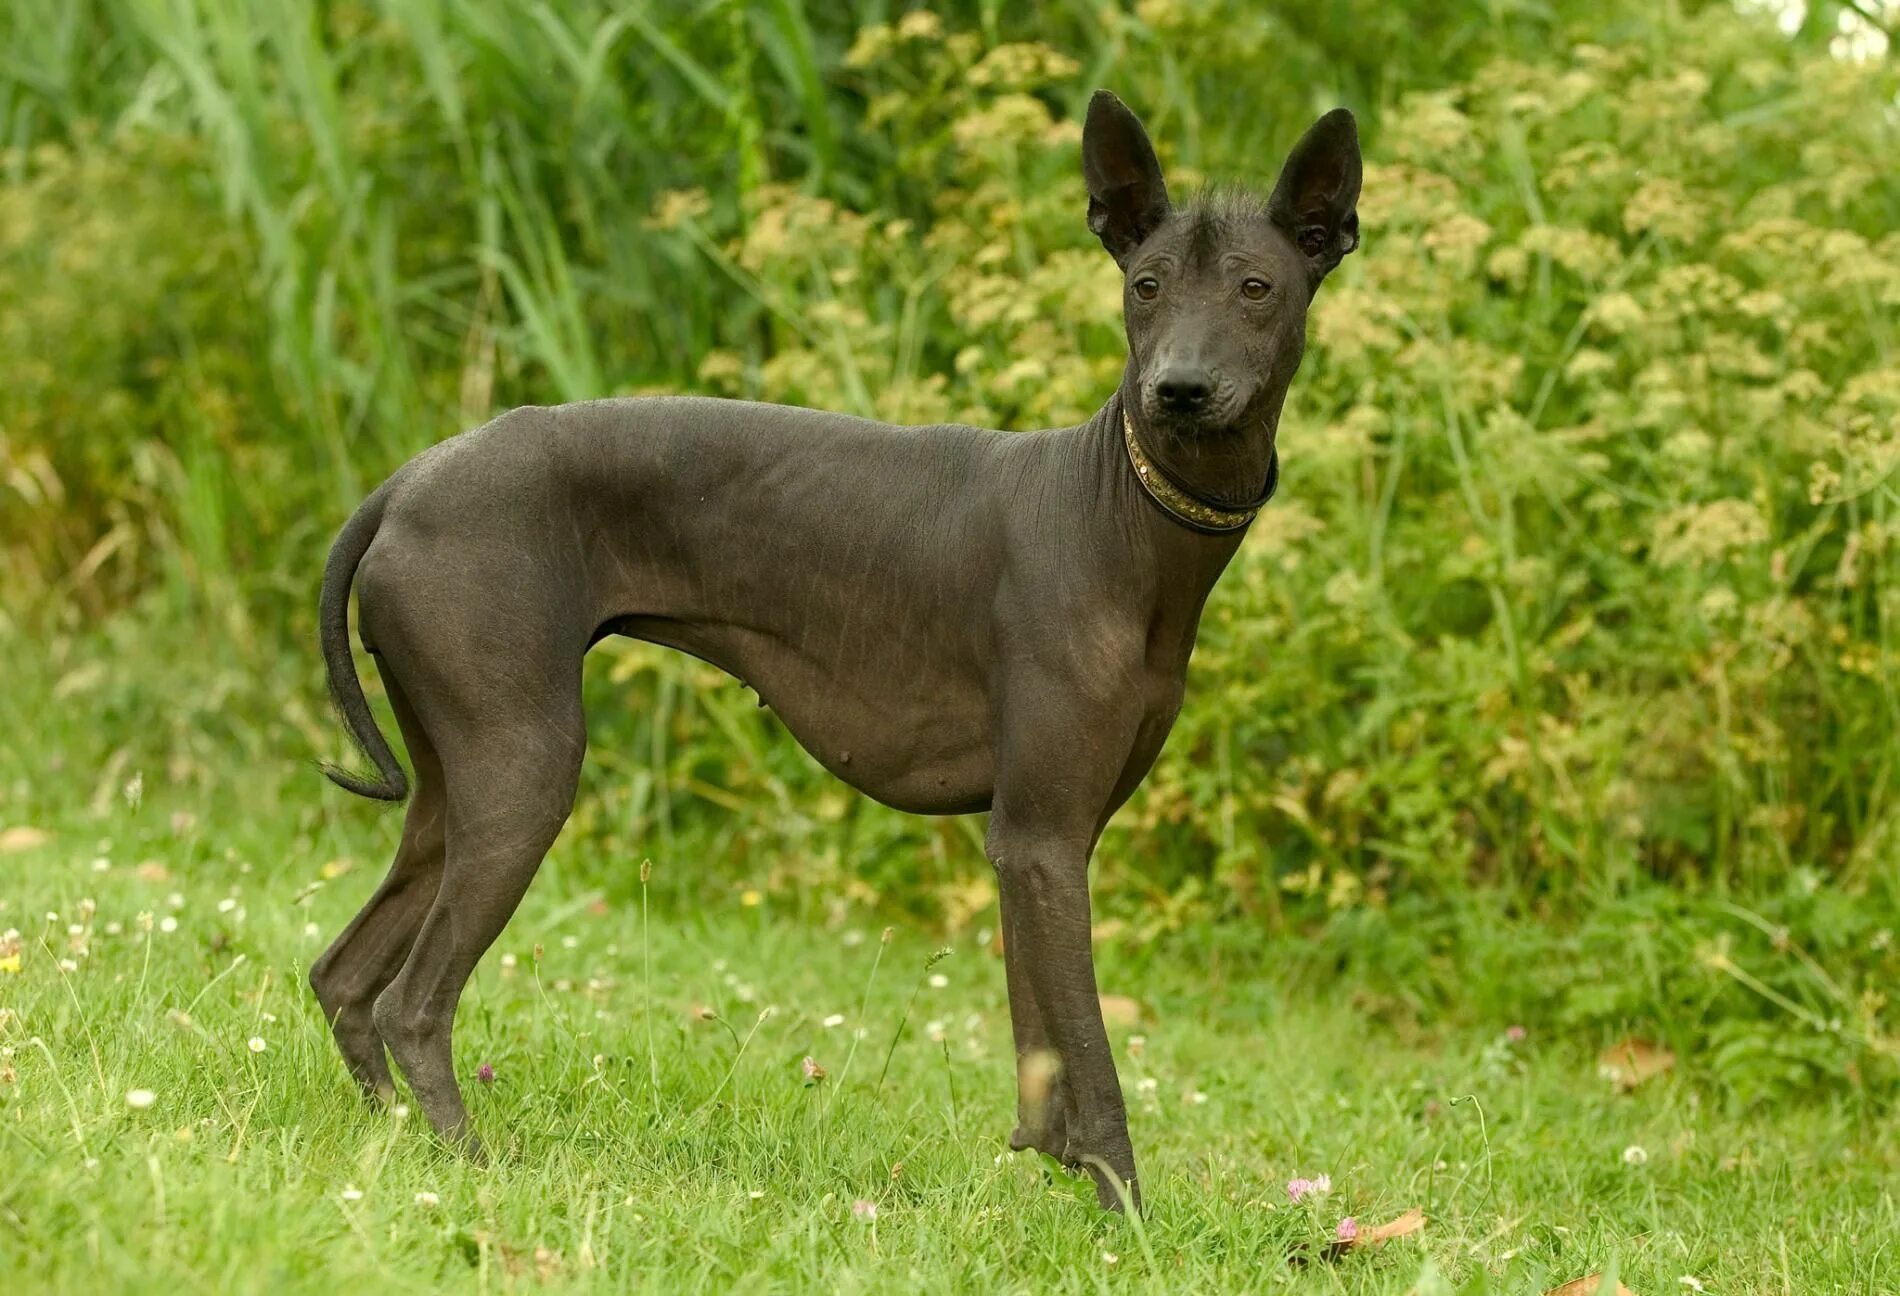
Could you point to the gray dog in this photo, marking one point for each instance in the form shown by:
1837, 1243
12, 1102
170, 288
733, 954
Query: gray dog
949, 619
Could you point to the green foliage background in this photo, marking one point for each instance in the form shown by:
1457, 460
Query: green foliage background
1567, 653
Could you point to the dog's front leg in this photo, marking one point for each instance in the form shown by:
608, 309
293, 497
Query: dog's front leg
1044, 1100
1043, 879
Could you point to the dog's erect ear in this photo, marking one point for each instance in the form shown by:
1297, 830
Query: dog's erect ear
1316, 197
1127, 198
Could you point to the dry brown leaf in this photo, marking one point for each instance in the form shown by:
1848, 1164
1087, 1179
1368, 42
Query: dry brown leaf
1410, 1222
22, 837
1120, 1010
1630, 1061
1589, 1285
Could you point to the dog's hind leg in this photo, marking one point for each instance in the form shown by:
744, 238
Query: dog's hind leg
369, 952
511, 741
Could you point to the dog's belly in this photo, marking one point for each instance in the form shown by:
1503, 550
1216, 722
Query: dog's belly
915, 739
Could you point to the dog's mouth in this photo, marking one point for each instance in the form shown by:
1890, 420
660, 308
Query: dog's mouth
1216, 417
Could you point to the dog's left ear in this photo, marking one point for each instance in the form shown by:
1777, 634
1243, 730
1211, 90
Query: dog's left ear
1316, 198
1128, 200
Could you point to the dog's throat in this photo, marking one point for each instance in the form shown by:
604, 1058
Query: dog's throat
1182, 504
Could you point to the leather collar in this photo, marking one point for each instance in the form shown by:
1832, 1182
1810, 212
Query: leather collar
1181, 504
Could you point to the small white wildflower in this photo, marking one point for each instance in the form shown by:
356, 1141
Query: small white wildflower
1109, 1257
52, 915
509, 960
168, 924
570, 942
175, 900
938, 980
1194, 1097
935, 1030
400, 1111
311, 931
256, 1044
1635, 1155
75, 929
114, 927
428, 1200
227, 904
836, 1019
140, 1099
351, 1193
67, 965
101, 865
1692, 1282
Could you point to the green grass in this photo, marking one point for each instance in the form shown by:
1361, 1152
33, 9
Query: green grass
730, 1173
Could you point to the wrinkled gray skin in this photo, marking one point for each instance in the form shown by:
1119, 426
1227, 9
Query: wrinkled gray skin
949, 619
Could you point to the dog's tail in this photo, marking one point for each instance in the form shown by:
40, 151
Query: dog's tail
346, 690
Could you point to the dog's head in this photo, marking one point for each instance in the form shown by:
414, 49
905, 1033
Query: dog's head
1215, 291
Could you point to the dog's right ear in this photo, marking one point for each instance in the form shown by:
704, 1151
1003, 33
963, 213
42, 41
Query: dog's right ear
1127, 198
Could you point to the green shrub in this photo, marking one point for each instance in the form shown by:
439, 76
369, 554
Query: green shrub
1577, 598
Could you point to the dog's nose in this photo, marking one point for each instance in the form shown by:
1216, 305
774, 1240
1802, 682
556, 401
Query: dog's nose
1183, 391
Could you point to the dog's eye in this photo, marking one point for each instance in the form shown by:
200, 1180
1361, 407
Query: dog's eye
1147, 287
1254, 289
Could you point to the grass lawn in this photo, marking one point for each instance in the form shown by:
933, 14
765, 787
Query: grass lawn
708, 1162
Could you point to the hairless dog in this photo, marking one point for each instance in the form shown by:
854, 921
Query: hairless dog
951, 620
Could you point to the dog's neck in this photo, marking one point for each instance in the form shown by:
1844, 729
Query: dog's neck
1189, 561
